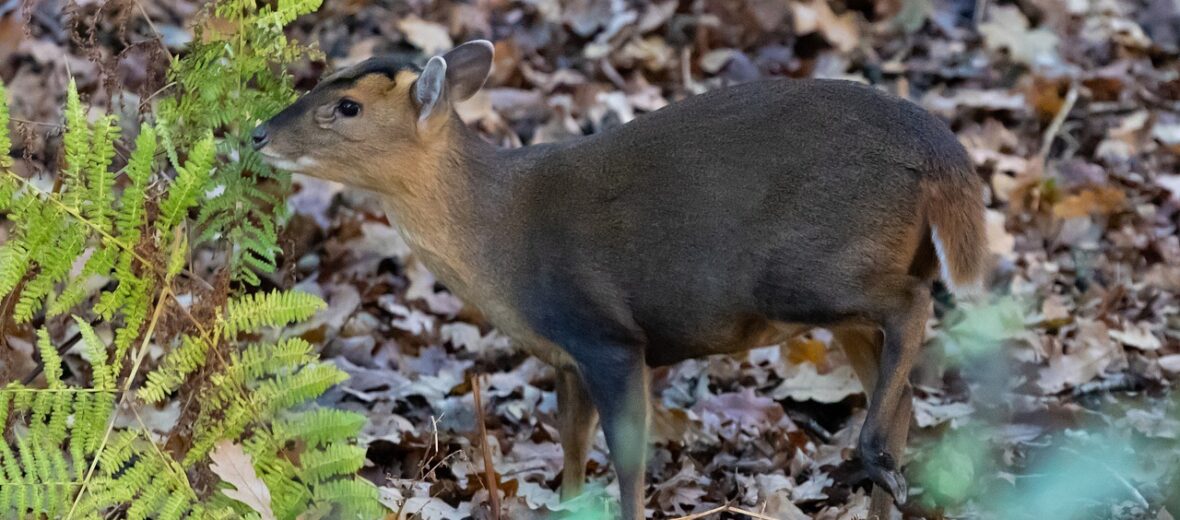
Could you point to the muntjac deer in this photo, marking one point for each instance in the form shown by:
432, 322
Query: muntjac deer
726, 221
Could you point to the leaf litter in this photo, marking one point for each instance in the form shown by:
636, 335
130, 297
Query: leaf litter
1060, 393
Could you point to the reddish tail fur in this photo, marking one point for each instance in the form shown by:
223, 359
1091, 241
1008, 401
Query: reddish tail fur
955, 211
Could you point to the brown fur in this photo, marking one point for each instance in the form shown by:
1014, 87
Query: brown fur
724, 222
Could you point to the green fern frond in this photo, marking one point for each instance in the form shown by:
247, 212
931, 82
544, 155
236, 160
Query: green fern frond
185, 359
320, 426
14, 260
259, 360
63, 431
55, 257
139, 170
5, 146
287, 391
100, 198
354, 498
50, 359
77, 146
188, 187
317, 465
272, 309
235, 416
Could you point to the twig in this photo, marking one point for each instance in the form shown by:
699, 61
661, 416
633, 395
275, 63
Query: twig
38, 123
1120, 382
809, 424
1134, 492
488, 469
151, 25
1055, 126
725, 509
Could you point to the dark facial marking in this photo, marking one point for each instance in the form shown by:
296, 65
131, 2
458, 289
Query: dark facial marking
387, 66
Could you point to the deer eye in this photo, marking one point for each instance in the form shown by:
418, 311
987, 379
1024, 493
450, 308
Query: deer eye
348, 108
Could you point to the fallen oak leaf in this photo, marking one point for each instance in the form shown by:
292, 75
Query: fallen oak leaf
236, 468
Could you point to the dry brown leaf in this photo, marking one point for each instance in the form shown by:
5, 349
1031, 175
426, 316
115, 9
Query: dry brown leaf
236, 468
807, 350
1103, 200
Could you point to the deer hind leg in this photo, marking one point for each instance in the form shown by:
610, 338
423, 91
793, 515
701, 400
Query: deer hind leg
577, 420
863, 347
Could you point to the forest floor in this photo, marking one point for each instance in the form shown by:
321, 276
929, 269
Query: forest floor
1055, 401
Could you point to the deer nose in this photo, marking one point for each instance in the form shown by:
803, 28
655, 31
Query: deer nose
260, 137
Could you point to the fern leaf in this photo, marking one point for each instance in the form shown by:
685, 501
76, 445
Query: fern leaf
259, 360
287, 391
151, 499
320, 426
77, 147
178, 503
55, 258
318, 465
14, 260
100, 198
276, 308
176, 367
5, 140
353, 498
139, 171
188, 187
50, 358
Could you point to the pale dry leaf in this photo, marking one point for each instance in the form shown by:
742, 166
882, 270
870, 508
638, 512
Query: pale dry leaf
1137, 335
1091, 353
1170, 363
1055, 309
774, 495
429, 36
236, 468
1167, 133
813, 488
715, 60
951, 104
432, 508
999, 241
929, 413
1153, 423
1170, 182
536, 495
682, 491
1007, 28
816, 16
806, 384
463, 335
744, 409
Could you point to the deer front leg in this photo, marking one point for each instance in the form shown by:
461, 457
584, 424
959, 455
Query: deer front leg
617, 382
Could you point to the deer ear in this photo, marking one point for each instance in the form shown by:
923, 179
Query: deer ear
428, 90
467, 68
